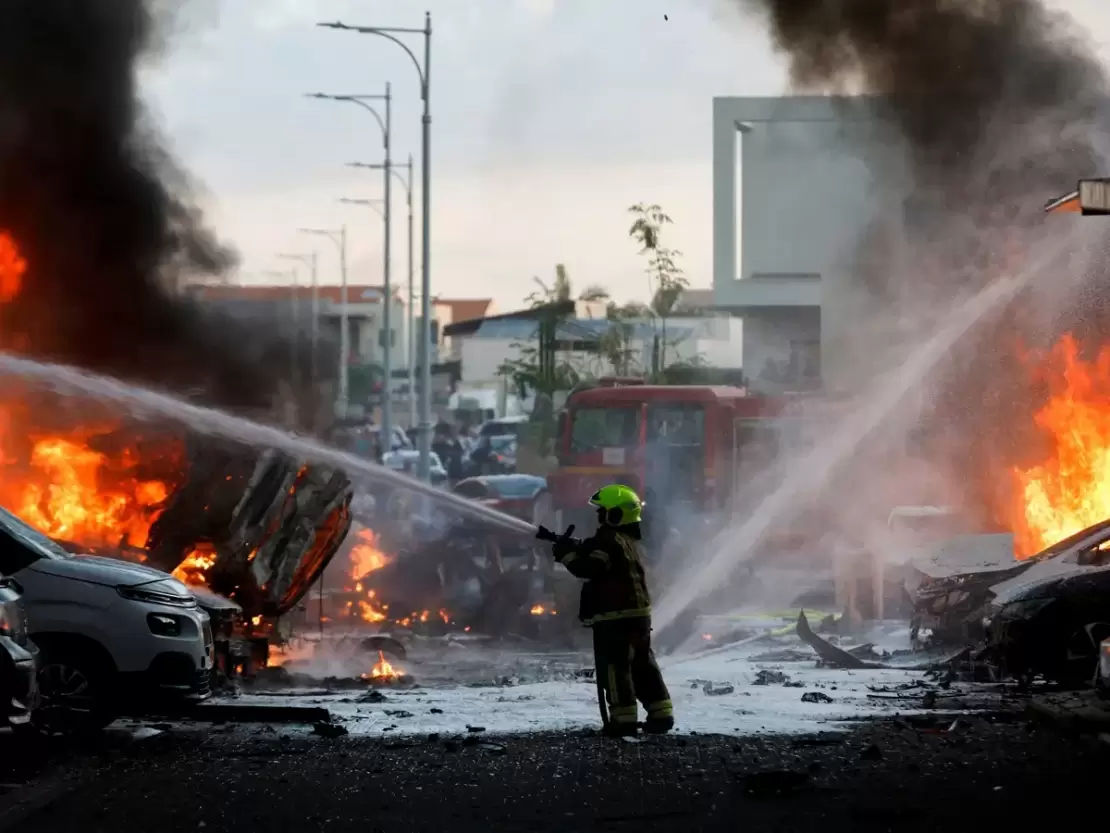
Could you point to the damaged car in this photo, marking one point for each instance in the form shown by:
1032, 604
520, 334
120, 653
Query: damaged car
1045, 615
1052, 620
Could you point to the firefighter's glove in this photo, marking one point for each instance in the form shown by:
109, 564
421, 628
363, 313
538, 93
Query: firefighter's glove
564, 547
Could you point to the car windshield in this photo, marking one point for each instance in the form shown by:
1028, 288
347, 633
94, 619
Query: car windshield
502, 443
30, 537
516, 487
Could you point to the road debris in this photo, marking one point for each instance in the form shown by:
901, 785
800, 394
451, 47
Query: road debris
816, 697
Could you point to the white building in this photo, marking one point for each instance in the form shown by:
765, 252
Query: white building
484, 347
791, 198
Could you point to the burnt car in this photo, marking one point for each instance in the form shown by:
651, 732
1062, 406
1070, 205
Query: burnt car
264, 527
1051, 622
18, 658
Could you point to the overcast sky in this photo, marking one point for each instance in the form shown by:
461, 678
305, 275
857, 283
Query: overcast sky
550, 117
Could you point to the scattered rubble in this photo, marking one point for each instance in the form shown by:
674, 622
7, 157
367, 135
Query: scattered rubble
816, 697
717, 690
329, 730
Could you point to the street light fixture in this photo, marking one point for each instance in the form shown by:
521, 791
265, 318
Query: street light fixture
424, 72
386, 124
410, 349
339, 238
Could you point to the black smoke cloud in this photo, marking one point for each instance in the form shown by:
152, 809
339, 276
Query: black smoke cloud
1000, 105
100, 210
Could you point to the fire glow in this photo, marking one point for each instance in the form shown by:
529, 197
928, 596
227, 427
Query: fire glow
1070, 489
383, 671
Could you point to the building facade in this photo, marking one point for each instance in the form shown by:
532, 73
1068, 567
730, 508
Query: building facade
792, 197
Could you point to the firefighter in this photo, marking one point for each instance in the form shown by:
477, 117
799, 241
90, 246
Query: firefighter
616, 605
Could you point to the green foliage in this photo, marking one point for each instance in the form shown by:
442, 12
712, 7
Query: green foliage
666, 280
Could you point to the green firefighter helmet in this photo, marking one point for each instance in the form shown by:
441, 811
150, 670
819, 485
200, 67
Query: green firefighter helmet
622, 505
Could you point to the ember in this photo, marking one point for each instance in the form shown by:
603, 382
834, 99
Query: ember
540, 610
1070, 490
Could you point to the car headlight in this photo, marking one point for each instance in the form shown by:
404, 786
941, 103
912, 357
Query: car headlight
1025, 608
144, 594
161, 624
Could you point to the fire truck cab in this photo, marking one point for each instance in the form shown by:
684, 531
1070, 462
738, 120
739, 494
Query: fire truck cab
680, 446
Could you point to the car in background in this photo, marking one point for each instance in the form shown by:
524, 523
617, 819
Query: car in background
502, 426
514, 494
408, 462
494, 454
19, 658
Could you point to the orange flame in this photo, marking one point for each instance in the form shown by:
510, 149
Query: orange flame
365, 556
194, 569
383, 670
12, 269
1070, 490
73, 493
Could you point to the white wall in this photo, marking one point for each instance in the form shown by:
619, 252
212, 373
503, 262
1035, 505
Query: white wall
787, 218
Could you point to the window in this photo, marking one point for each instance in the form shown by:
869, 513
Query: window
21, 545
676, 423
471, 489
604, 427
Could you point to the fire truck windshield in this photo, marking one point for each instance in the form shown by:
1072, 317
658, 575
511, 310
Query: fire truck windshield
604, 427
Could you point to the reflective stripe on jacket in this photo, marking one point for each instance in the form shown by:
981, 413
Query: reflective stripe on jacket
612, 563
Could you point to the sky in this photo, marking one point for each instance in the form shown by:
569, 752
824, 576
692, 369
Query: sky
549, 119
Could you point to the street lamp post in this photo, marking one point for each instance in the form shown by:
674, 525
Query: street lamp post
339, 238
424, 72
310, 260
410, 333
387, 318
294, 310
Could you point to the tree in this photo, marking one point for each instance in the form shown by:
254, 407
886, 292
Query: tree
666, 280
562, 290
537, 368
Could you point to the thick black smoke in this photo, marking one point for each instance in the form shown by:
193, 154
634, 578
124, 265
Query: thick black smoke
99, 209
1001, 106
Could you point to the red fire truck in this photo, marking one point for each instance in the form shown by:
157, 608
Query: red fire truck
682, 446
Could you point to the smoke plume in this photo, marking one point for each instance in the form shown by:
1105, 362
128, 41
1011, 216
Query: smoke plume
100, 211
999, 106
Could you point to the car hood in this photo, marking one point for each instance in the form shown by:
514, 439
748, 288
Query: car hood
109, 572
1040, 580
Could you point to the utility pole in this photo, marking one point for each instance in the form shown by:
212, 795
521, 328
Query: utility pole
387, 215
311, 261
410, 324
387, 301
339, 238
391, 34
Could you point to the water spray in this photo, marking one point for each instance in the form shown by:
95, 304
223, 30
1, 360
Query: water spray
142, 402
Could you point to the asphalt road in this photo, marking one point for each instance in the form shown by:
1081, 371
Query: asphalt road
888, 776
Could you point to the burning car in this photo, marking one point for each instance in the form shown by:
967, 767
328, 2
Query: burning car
256, 527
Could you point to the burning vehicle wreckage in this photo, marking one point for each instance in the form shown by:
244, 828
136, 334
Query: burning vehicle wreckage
252, 533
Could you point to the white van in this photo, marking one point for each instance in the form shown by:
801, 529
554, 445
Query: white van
109, 632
